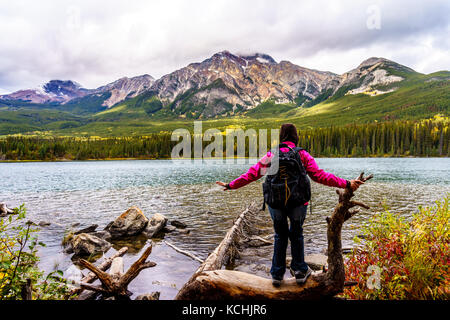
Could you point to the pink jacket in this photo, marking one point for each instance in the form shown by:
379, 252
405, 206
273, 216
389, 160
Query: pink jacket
310, 165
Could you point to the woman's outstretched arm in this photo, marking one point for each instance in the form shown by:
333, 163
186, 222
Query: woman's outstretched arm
254, 173
320, 176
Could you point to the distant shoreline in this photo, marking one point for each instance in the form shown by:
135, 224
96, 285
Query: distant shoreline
127, 159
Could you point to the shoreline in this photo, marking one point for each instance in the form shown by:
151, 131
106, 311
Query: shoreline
235, 158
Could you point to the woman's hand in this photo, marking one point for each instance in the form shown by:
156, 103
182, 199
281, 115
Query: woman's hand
354, 184
223, 184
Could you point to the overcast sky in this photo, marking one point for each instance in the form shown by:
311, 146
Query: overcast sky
97, 42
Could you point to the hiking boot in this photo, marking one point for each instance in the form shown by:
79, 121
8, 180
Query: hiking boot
300, 276
276, 282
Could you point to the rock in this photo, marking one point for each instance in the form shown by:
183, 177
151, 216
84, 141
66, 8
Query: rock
129, 223
168, 229
44, 224
154, 225
87, 244
149, 296
178, 224
316, 261
68, 249
102, 234
87, 230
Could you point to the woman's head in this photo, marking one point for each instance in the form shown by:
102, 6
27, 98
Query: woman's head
288, 132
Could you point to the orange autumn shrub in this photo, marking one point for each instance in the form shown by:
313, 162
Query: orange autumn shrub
403, 258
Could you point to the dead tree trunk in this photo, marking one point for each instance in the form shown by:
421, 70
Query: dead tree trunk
208, 282
116, 283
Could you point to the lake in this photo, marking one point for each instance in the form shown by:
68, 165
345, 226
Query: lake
96, 192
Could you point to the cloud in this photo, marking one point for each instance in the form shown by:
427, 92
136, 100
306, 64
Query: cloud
98, 42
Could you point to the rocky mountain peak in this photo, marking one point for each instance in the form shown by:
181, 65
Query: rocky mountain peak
125, 88
259, 57
372, 61
66, 89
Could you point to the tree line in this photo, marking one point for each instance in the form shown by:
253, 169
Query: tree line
397, 138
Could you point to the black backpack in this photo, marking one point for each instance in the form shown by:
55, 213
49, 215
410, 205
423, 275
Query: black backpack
289, 187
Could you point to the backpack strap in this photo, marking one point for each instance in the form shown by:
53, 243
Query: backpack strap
284, 145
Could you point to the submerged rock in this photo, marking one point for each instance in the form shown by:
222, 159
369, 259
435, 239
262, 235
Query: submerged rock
129, 223
84, 244
156, 223
149, 296
184, 231
178, 224
168, 229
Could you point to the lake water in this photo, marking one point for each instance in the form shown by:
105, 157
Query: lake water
96, 192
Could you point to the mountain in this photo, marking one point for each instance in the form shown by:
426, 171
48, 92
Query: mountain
224, 84
69, 92
228, 83
229, 87
59, 91
125, 88
373, 73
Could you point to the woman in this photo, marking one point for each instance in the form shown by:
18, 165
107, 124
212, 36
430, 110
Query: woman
296, 215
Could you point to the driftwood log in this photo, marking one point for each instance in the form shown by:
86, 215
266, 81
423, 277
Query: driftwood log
115, 283
4, 210
209, 282
91, 277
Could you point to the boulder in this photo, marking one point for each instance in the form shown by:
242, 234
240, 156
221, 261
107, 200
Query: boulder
129, 223
149, 296
85, 244
178, 224
154, 225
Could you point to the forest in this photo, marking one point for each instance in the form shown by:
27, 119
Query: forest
425, 138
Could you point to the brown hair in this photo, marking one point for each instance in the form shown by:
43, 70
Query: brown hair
288, 132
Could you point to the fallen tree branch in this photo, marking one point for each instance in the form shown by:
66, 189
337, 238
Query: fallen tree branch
186, 253
116, 284
91, 277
